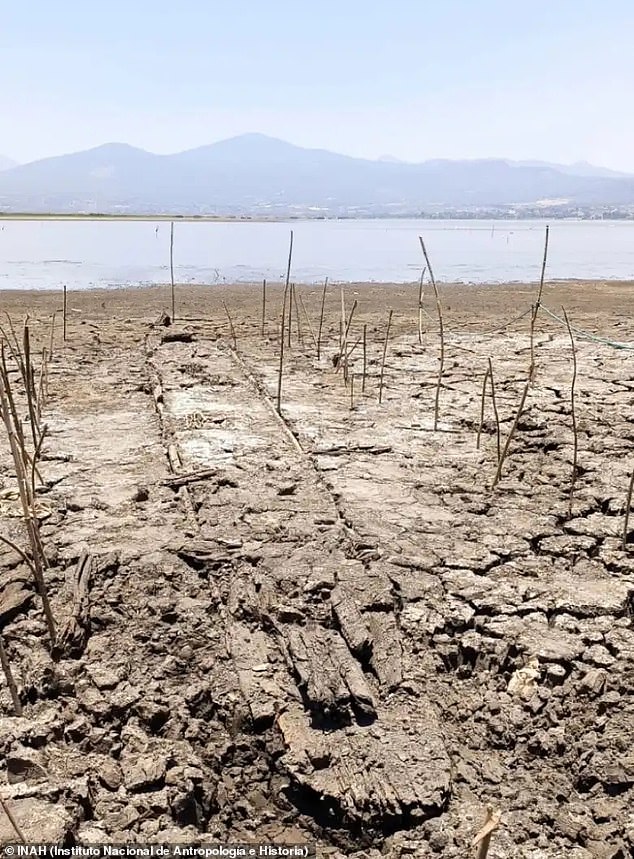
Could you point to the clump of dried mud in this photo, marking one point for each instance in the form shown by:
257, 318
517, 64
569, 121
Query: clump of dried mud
328, 626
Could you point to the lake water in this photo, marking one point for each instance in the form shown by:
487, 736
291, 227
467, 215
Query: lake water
86, 254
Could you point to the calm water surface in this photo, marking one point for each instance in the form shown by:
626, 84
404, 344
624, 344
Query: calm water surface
87, 254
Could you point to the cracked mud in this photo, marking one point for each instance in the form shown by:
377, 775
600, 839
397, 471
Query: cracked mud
328, 626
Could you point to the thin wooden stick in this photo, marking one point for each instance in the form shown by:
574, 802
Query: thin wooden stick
298, 326
231, 328
16, 428
628, 504
484, 388
573, 413
420, 306
344, 342
509, 438
483, 838
321, 319
342, 323
52, 336
350, 351
281, 366
28, 385
64, 312
12, 821
307, 317
290, 316
536, 307
352, 392
14, 344
172, 270
34, 471
495, 411
365, 357
387, 334
39, 558
41, 397
13, 689
18, 551
442, 333
17, 423
263, 305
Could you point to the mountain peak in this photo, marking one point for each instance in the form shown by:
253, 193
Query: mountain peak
252, 173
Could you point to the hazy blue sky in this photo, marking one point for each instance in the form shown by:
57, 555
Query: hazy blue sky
549, 79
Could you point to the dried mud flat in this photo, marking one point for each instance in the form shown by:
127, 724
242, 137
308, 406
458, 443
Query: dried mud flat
328, 627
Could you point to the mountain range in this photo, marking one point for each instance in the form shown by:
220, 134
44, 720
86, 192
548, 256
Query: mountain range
256, 174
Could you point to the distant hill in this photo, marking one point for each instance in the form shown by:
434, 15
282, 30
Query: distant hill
7, 163
253, 173
579, 168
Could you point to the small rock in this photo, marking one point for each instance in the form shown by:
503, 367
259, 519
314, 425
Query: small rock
555, 674
290, 614
523, 681
23, 767
141, 493
144, 772
287, 488
110, 774
598, 655
152, 714
601, 850
103, 678
593, 682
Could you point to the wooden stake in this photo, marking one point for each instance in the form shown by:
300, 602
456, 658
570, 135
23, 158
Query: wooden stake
19, 461
536, 307
509, 438
344, 343
387, 334
365, 357
420, 306
300, 338
17, 423
231, 328
52, 337
495, 410
321, 319
442, 333
172, 270
342, 327
307, 317
290, 316
352, 392
281, 366
628, 505
573, 413
13, 689
64, 311
263, 304
29, 385
41, 395
484, 388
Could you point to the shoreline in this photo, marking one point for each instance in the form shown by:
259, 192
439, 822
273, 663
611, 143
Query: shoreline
245, 218
452, 285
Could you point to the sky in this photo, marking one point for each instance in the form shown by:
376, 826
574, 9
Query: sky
520, 79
